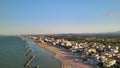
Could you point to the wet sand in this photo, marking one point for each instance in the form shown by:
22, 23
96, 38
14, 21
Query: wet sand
67, 59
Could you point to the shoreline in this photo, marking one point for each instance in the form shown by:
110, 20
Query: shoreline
67, 60
56, 56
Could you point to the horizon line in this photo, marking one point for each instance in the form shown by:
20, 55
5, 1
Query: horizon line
56, 33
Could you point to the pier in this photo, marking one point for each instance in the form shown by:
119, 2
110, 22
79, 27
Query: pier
29, 61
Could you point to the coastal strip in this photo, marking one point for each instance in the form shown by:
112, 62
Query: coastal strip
56, 52
67, 60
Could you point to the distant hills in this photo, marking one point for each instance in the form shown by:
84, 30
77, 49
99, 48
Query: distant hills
110, 34
115, 33
105, 34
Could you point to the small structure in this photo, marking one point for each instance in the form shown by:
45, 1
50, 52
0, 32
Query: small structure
109, 63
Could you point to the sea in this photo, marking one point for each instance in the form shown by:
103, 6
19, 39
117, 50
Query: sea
16, 51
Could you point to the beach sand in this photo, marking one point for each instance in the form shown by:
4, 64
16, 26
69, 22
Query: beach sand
66, 58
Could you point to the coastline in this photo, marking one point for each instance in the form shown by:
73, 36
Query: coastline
67, 60
57, 56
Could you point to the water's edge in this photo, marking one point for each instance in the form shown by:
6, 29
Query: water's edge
36, 51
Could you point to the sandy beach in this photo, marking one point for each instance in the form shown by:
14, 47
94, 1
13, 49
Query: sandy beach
66, 58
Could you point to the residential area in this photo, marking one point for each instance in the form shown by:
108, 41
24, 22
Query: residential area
104, 56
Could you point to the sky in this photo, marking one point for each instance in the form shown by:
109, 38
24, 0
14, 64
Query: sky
59, 16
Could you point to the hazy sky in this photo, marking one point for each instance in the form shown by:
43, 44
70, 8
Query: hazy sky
59, 16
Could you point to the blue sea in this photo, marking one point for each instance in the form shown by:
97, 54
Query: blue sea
13, 50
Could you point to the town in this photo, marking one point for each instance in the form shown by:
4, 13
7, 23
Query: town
94, 53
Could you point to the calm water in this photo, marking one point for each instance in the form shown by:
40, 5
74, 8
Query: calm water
13, 50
